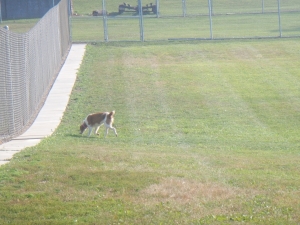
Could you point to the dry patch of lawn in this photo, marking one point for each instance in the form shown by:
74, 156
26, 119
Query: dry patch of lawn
196, 198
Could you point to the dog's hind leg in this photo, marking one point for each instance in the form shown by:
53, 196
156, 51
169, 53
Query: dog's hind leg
106, 132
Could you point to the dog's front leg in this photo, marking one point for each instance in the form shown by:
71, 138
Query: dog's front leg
110, 127
90, 131
96, 130
114, 129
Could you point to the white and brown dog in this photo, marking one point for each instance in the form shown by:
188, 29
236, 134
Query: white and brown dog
95, 120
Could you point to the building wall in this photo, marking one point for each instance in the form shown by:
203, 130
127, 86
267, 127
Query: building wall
25, 9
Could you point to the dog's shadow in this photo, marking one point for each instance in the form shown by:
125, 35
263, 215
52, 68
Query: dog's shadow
81, 136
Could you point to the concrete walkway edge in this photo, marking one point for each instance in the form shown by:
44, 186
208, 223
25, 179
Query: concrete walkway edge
53, 109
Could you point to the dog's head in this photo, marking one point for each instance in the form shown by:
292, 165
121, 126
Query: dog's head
110, 117
83, 126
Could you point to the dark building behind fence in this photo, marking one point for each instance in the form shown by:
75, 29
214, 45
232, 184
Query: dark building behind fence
25, 9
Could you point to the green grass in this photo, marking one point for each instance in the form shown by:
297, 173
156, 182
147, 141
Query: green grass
231, 19
20, 26
193, 7
208, 134
88, 29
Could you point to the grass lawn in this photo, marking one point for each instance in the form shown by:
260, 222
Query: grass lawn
20, 26
193, 7
231, 19
208, 134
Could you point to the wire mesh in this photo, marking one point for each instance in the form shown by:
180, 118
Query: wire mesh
189, 19
29, 64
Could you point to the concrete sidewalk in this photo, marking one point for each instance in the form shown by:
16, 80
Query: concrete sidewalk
50, 115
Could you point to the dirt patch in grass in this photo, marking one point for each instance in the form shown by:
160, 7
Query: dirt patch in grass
183, 191
194, 197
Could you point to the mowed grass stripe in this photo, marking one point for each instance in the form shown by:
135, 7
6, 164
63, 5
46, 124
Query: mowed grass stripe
208, 134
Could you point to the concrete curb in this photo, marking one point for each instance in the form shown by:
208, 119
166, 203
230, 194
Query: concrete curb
51, 113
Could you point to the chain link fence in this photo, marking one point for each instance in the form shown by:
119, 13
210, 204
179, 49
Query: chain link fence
29, 64
188, 19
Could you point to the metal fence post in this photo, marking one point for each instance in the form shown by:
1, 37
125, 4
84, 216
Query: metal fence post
70, 13
104, 21
11, 114
210, 18
141, 20
0, 13
279, 18
157, 8
183, 8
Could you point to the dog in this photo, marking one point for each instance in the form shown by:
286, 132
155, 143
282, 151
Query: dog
95, 120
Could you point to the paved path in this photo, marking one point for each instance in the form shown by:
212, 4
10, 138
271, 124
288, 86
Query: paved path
50, 115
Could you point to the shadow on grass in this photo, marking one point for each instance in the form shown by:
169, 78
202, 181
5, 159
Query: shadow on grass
81, 136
